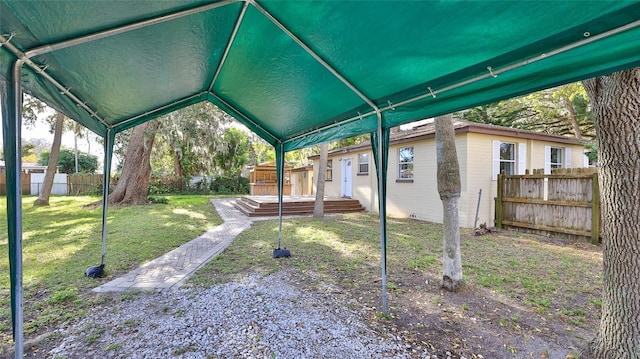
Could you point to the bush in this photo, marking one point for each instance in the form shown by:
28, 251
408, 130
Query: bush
160, 200
217, 185
164, 185
230, 185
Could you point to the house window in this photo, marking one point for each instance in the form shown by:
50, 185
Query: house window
590, 158
555, 159
405, 163
363, 163
329, 170
507, 158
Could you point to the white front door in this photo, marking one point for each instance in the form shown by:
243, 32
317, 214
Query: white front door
345, 187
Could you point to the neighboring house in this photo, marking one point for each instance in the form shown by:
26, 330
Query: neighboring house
33, 176
27, 167
483, 152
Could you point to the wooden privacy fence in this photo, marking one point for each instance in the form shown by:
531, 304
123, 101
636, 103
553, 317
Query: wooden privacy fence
562, 202
26, 183
83, 184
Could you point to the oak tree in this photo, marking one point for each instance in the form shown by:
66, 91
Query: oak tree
616, 108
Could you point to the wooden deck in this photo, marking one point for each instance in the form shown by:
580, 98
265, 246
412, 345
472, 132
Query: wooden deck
257, 206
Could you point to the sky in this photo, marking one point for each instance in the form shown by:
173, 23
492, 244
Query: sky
41, 131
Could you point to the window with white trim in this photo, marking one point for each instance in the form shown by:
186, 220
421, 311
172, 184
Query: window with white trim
405, 163
363, 163
329, 170
508, 157
555, 157
590, 158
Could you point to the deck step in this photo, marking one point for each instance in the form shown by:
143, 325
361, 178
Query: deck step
254, 206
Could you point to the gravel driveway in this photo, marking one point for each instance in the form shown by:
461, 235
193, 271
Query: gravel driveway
256, 317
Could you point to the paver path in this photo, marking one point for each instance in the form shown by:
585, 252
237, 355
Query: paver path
171, 270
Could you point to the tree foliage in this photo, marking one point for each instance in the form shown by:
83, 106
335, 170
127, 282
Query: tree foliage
189, 137
563, 110
261, 152
350, 141
32, 110
234, 153
66, 161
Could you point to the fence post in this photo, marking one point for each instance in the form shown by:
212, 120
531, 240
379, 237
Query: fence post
499, 201
595, 209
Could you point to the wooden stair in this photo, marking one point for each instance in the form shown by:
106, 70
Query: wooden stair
256, 208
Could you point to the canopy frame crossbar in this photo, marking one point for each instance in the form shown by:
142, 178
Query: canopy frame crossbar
490, 73
42, 72
494, 72
48, 48
125, 28
123, 124
232, 38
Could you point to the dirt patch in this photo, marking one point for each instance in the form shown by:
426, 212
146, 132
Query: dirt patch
471, 323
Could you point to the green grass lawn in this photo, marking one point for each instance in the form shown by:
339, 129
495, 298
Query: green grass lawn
62, 240
558, 281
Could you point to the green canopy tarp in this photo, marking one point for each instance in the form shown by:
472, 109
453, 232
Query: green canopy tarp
288, 69
297, 73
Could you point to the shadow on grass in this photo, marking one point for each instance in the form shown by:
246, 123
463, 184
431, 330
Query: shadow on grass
60, 241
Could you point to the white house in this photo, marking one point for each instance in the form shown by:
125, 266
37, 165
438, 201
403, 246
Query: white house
483, 152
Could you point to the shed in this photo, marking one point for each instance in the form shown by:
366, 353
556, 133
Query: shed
263, 180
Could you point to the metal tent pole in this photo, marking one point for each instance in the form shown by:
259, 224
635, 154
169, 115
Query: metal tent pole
11, 98
280, 190
280, 252
106, 177
382, 205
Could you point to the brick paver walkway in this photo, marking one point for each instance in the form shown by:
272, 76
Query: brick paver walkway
172, 269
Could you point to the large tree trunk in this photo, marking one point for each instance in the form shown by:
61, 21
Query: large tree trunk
133, 186
616, 108
448, 172
52, 166
177, 166
318, 208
